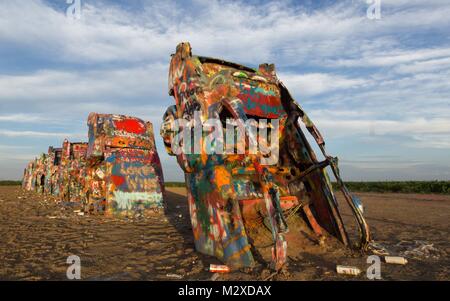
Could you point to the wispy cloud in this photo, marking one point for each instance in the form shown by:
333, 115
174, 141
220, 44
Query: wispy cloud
371, 58
14, 147
26, 118
317, 83
38, 134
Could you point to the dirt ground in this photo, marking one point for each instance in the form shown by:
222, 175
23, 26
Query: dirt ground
37, 235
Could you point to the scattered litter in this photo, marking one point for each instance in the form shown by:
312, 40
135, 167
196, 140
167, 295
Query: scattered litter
19, 197
215, 276
348, 270
217, 268
52, 217
395, 260
80, 213
76, 211
419, 249
174, 276
180, 216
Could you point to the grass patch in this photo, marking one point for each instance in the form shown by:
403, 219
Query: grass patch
440, 187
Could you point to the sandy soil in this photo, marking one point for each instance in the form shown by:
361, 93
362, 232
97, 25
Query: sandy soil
37, 235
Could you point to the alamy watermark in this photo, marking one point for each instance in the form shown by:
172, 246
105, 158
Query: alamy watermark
374, 270
73, 11
236, 136
74, 270
374, 10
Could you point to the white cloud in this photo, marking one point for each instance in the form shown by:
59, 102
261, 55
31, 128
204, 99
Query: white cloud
45, 85
26, 118
381, 127
247, 33
39, 134
391, 58
424, 132
14, 147
432, 65
318, 83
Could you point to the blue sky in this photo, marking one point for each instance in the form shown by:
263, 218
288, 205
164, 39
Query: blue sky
378, 90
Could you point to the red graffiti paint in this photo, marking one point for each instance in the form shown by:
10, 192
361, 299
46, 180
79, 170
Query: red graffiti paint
130, 125
117, 180
262, 105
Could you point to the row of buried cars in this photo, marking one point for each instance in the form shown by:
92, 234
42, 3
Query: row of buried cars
118, 172
241, 210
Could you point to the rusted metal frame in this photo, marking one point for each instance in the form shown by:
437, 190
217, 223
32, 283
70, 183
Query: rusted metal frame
296, 112
312, 220
363, 227
320, 165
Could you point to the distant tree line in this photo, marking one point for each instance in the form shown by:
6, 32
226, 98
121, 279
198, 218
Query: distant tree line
10, 183
441, 187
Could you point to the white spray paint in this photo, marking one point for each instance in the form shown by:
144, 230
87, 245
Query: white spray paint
126, 200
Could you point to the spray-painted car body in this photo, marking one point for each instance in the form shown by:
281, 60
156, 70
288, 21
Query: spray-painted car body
40, 171
56, 171
124, 175
33, 181
77, 171
52, 171
229, 193
28, 180
63, 174
72, 172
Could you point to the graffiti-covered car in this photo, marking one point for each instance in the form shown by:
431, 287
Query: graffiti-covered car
72, 172
77, 171
28, 176
40, 171
124, 175
251, 172
52, 164
56, 171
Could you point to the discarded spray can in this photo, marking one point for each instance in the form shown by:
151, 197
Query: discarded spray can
348, 270
395, 260
216, 268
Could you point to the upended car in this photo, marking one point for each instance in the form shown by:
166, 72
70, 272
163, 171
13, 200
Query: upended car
52, 171
28, 180
72, 172
246, 206
123, 170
